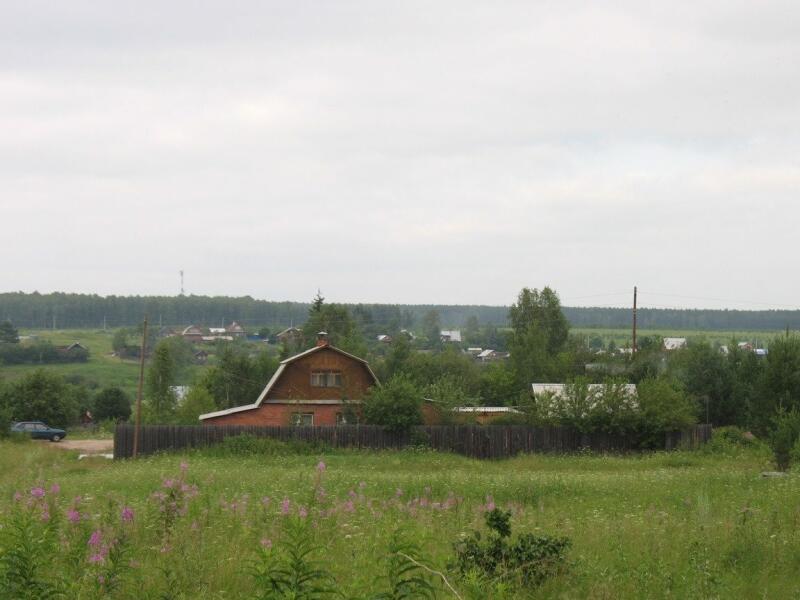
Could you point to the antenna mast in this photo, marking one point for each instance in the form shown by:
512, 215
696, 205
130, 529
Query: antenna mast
634, 319
181, 282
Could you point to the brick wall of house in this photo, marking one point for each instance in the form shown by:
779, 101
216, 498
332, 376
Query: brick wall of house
280, 415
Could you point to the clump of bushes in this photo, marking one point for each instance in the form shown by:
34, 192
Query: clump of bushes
529, 559
730, 441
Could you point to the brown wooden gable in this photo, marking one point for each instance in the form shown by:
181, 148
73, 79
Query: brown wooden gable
294, 382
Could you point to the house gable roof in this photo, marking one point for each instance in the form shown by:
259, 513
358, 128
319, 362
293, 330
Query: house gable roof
277, 375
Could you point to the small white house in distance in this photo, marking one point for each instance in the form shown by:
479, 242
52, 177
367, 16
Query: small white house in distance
674, 343
557, 389
451, 335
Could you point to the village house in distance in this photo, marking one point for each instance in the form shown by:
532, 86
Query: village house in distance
321, 386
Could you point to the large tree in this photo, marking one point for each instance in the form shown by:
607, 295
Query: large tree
8, 333
161, 376
43, 396
706, 379
781, 381
432, 328
336, 321
540, 334
237, 379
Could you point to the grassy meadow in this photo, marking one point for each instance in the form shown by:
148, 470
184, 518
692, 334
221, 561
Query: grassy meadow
663, 525
101, 370
622, 337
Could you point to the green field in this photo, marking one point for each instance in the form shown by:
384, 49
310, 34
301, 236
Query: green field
622, 337
102, 369
678, 525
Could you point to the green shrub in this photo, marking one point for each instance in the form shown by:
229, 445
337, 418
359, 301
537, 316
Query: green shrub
397, 405
729, 441
112, 403
529, 559
785, 438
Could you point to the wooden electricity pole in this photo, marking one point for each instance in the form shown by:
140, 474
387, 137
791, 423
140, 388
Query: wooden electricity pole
138, 421
634, 319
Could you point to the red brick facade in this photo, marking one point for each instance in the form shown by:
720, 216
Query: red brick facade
281, 414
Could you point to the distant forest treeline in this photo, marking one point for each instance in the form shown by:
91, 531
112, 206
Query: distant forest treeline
66, 311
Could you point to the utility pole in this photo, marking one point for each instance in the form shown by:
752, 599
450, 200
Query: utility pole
181, 282
634, 319
138, 422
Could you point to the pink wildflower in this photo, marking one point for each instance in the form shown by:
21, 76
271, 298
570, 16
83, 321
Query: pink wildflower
46, 515
168, 483
17, 496
95, 538
490, 505
285, 506
127, 514
266, 543
321, 466
37, 492
303, 512
184, 466
73, 516
96, 558
349, 506
55, 488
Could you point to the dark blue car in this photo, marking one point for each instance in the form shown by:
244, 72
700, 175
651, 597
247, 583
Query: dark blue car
39, 431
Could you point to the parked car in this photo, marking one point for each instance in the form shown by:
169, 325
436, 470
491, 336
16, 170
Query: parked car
39, 431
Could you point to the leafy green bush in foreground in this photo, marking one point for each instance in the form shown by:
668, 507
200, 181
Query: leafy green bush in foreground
529, 559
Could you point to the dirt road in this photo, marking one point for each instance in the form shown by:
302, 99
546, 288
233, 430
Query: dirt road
86, 446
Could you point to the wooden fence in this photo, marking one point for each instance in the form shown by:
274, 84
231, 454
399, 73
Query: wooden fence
470, 440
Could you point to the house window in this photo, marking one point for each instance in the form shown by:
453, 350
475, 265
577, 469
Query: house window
302, 418
326, 378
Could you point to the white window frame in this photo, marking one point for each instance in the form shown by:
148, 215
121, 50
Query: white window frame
326, 379
298, 417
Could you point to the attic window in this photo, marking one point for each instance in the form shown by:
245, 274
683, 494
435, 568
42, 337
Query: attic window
326, 379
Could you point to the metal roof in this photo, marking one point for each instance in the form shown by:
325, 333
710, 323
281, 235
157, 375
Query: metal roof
558, 388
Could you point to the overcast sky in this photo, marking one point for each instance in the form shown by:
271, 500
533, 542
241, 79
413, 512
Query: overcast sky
414, 152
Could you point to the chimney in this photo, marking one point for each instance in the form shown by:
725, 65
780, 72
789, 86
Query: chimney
322, 338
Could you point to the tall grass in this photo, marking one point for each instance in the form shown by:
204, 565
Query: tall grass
657, 525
